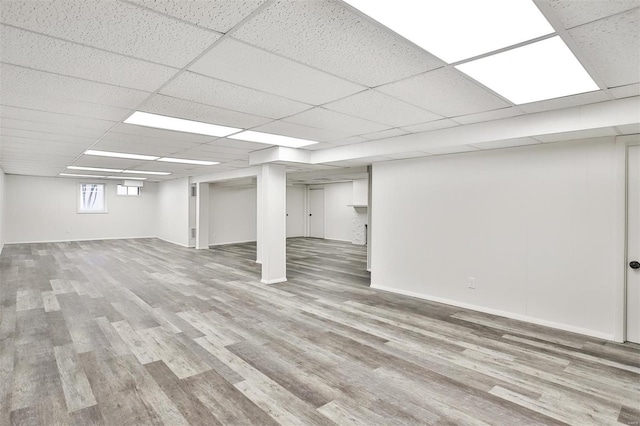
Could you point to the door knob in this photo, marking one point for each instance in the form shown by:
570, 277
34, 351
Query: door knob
634, 264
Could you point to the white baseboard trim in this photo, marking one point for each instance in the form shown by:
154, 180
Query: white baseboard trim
232, 242
274, 281
506, 314
337, 239
78, 240
173, 242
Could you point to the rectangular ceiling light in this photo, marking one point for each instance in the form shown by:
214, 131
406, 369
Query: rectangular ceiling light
128, 178
94, 169
120, 155
178, 124
454, 30
271, 139
144, 172
185, 161
543, 70
82, 176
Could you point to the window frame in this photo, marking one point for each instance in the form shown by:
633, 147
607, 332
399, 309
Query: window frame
79, 209
139, 194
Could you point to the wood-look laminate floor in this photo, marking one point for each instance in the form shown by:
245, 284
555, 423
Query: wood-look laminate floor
131, 332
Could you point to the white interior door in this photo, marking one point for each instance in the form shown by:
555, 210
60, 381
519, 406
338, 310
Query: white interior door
192, 215
633, 246
316, 213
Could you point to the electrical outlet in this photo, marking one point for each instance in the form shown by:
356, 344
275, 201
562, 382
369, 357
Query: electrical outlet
471, 282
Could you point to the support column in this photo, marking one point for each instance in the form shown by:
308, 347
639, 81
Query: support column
259, 214
202, 216
272, 220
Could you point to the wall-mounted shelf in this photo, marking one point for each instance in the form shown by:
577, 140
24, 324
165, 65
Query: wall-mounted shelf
358, 206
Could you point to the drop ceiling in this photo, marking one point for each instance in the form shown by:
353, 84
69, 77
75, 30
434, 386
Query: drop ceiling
72, 71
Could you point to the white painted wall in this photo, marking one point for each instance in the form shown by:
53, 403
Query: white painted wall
2, 204
42, 209
295, 210
232, 214
338, 214
360, 192
173, 211
534, 225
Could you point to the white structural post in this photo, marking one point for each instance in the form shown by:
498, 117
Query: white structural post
259, 214
272, 219
202, 216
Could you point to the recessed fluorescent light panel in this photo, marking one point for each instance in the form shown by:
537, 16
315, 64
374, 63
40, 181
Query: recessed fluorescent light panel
271, 139
178, 124
454, 30
185, 161
543, 70
94, 169
127, 178
120, 155
82, 176
144, 172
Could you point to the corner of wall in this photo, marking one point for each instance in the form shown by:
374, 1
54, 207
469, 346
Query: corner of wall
2, 215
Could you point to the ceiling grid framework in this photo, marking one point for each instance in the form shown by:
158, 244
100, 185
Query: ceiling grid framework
71, 72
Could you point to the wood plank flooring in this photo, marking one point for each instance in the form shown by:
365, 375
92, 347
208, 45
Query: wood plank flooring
133, 332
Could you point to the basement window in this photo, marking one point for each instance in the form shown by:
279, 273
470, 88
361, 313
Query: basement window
128, 190
91, 198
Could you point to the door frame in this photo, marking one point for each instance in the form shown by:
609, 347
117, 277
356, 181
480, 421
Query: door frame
622, 144
308, 209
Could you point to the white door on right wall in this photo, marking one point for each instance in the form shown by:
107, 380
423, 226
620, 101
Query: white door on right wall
633, 245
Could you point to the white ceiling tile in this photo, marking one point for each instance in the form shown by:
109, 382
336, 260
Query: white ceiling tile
375, 106
208, 155
41, 136
219, 93
18, 81
348, 141
227, 147
114, 26
625, 91
489, 115
327, 36
219, 15
432, 125
412, 154
508, 143
612, 47
385, 134
180, 108
581, 134
54, 55
572, 13
54, 118
131, 144
326, 119
565, 102
455, 149
30, 170
12, 123
64, 106
242, 64
303, 132
239, 144
445, 91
